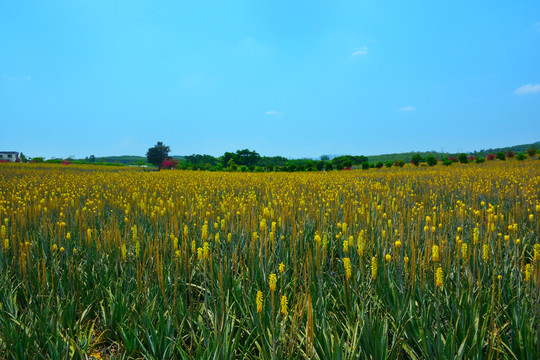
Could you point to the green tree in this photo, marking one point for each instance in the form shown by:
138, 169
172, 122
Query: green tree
431, 160
531, 151
416, 160
157, 154
463, 158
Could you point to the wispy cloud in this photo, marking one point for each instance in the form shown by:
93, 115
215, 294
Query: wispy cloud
528, 89
407, 108
361, 51
274, 113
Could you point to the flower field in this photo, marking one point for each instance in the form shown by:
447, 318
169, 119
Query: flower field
398, 263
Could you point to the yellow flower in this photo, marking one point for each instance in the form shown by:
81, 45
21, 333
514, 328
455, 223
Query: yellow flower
54, 248
374, 267
406, 259
259, 301
536, 252
435, 253
206, 251
464, 248
281, 268
273, 281
61, 249
193, 247
528, 272
199, 254
397, 244
347, 266
439, 277
485, 252
284, 303
124, 251
345, 246
6, 244
74, 251
388, 257
68, 236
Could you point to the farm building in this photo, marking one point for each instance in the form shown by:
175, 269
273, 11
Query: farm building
9, 156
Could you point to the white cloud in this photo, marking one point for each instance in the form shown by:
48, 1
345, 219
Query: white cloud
528, 89
407, 108
274, 112
362, 51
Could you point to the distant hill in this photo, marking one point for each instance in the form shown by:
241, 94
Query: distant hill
124, 159
407, 156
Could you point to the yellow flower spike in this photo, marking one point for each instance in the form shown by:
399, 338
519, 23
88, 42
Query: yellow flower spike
229, 237
485, 252
374, 267
406, 259
68, 236
273, 281
206, 251
439, 277
200, 254
259, 301
537, 252
528, 272
74, 251
193, 247
347, 267
435, 253
284, 303
464, 249
124, 251
388, 257
345, 246
397, 244
281, 268
54, 248
61, 249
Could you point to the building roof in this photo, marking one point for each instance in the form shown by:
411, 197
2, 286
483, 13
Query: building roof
9, 152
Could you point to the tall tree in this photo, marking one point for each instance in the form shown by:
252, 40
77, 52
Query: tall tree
157, 154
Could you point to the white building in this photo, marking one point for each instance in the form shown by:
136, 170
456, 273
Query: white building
9, 155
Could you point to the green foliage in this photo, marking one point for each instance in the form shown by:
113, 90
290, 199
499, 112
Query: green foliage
531, 151
388, 164
480, 160
416, 159
500, 156
365, 166
431, 160
446, 161
521, 157
399, 163
463, 158
379, 164
157, 154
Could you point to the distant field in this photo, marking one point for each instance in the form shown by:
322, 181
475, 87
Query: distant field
398, 263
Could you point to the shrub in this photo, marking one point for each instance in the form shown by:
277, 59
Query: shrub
490, 157
379, 165
521, 156
431, 160
480, 160
446, 161
399, 163
531, 151
169, 164
500, 156
510, 154
453, 159
463, 158
388, 164
328, 166
416, 159
365, 166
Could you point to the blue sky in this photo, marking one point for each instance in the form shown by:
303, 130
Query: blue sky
291, 78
